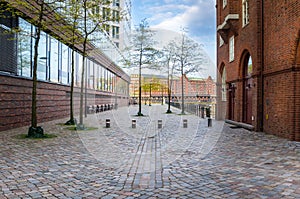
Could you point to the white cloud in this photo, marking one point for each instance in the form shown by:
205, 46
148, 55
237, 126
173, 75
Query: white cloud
197, 16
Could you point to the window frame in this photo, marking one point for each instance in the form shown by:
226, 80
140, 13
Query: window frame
245, 10
221, 41
231, 49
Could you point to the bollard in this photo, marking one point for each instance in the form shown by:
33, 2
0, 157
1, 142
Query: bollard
159, 124
133, 125
107, 123
209, 121
185, 123
202, 112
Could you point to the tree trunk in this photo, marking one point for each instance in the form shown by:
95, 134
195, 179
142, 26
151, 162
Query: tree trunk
140, 85
81, 125
34, 130
169, 90
34, 80
182, 92
72, 120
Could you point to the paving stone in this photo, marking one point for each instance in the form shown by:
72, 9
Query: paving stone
173, 162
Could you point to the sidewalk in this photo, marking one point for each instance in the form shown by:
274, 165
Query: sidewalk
147, 161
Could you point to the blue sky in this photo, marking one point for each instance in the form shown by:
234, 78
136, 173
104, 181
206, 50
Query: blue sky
197, 16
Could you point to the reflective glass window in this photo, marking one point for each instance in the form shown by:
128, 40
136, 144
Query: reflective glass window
54, 56
42, 57
24, 48
64, 64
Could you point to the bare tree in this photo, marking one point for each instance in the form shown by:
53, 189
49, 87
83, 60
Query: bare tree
168, 64
189, 58
72, 13
142, 53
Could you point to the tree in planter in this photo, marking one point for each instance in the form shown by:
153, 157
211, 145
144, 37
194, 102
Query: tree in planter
38, 10
189, 57
142, 53
168, 64
72, 13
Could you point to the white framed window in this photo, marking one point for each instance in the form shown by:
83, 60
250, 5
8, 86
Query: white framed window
245, 12
224, 3
224, 84
231, 49
221, 41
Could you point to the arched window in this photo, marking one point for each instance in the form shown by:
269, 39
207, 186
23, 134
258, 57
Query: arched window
224, 85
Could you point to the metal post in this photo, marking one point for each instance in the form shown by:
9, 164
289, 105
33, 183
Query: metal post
209, 122
107, 123
185, 123
159, 124
133, 124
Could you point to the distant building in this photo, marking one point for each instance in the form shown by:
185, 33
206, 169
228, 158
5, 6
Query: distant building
196, 90
258, 59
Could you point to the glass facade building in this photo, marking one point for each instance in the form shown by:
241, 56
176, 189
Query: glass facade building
104, 80
54, 60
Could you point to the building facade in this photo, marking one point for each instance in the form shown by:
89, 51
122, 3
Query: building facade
196, 90
118, 30
258, 59
105, 81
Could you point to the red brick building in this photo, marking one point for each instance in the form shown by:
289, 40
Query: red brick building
195, 89
258, 59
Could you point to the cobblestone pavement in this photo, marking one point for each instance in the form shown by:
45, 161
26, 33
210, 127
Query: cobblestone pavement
148, 161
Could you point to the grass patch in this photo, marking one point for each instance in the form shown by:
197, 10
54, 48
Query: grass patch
74, 128
61, 124
46, 136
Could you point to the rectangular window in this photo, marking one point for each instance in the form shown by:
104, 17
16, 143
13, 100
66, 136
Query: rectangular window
245, 12
54, 55
108, 81
116, 3
104, 78
115, 32
24, 48
221, 41
105, 14
99, 78
116, 15
90, 74
106, 28
42, 57
64, 64
8, 42
231, 49
78, 68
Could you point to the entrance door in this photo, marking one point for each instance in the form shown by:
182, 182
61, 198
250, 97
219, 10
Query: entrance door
247, 91
231, 101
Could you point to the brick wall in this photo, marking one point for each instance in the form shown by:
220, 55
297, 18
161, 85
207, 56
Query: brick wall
282, 81
52, 101
281, 98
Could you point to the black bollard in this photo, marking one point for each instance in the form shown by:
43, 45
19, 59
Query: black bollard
107, 123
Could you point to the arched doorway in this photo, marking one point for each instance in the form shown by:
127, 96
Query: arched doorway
247, 88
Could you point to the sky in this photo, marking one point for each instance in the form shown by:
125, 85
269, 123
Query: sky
196, 16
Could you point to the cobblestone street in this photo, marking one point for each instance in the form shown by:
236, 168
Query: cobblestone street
147, 161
